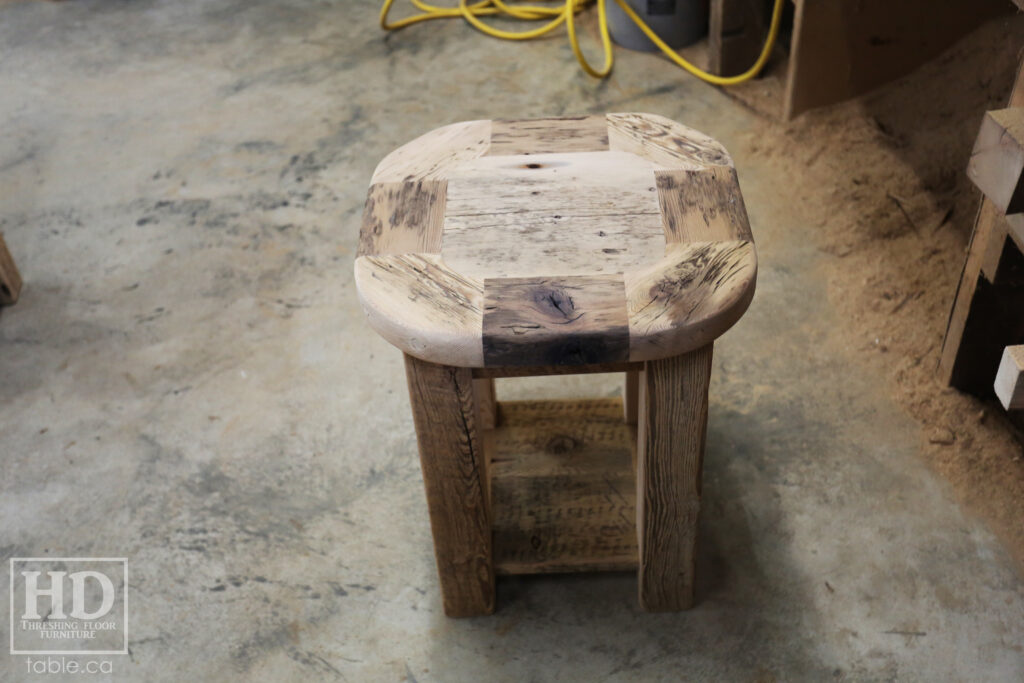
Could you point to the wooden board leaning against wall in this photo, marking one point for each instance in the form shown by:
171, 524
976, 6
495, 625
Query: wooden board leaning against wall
843, 48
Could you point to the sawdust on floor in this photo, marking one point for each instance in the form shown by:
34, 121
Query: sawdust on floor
882, 179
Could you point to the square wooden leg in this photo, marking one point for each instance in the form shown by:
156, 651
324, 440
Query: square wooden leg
630, 397
487, 402
673, 415
451, 454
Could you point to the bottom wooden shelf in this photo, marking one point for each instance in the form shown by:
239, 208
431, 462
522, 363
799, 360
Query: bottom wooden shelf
563, 489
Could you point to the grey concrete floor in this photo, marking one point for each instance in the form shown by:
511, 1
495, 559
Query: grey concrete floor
188, 381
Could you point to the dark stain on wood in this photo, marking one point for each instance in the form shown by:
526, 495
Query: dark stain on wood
702, 205
682, 289
401, 218
555, 321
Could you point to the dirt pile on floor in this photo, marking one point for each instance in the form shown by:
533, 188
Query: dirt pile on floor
883, 180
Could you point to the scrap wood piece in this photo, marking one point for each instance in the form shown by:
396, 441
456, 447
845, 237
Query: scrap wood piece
10, 278
1009, 384
997, 162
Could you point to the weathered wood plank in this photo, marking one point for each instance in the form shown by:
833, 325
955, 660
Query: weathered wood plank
552, 214
997, 161
446, 321
10, 278
486, 401
702, 206
631, 396
403, 218
670, 453
689, 298
667, 144
454, 475
432, 155
593, 216
555, 321
551, 135
543, 370
1009, 384
563, 490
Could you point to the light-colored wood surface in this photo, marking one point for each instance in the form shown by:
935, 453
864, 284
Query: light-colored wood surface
454, 474
997, 161
670, 453
702, 206
590, 218
403, 218
1009, 384
445, 324
689, 298
547, 136
563, 490
670, 146
10, 278
432, 155
553, 214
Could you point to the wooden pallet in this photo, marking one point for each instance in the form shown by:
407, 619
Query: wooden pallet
986, 316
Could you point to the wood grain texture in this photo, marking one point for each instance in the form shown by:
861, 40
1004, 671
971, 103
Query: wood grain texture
430, 156
555, 321
562, 486
660, 211
697, 292
1009, 383
631, 396
702, 206
423, 307
550, 135
486, 402
552, 214
403, 218
997, 161
670, 453
10, 278
543, 370
454, 475
667, 144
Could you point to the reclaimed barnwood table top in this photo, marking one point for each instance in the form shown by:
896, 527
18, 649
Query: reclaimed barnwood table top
560, 241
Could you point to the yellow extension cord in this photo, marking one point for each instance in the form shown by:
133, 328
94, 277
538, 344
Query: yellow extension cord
555, 16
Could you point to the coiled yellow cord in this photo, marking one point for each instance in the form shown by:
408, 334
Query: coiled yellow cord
557, 15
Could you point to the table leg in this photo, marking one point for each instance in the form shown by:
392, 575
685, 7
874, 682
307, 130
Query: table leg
673, 414
454, 473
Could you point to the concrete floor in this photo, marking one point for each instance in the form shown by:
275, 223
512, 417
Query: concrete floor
188, 380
